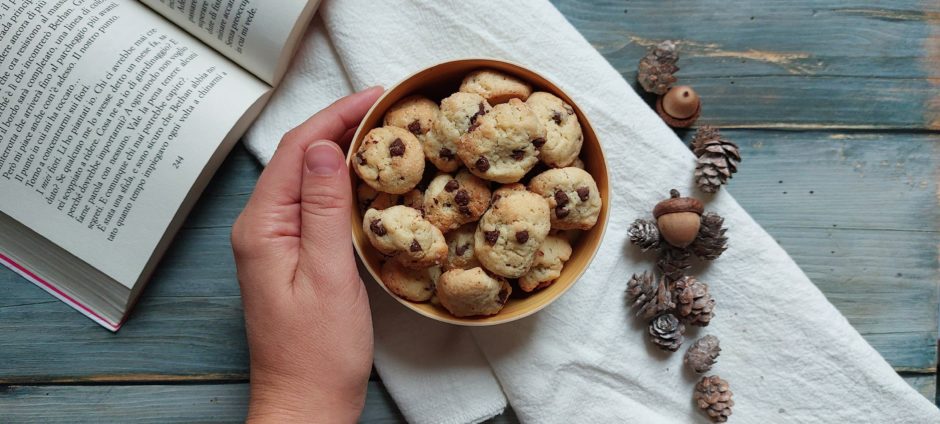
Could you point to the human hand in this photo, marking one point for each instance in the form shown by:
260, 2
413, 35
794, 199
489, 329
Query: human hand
306, 311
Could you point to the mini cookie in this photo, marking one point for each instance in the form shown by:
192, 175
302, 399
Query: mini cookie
495, 87
546, 267
458, 112
390, 160
460, 254
368, 197
416, 285
563, 136
452, 201
422, 117
401, 232
417, 114
573, 196
511, 231
503, 144
472, 292
411, 199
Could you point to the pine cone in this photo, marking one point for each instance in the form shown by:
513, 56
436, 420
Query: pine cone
666, 332
717, 159
714, 397
656, 69
695, 304
711, 241
644, 233
650, 296
702, 354
673, 261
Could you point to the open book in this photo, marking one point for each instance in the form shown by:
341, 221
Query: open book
114, 115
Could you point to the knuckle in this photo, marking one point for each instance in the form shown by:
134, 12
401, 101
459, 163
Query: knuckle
325, 202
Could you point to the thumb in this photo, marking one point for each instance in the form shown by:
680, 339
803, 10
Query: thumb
326, 255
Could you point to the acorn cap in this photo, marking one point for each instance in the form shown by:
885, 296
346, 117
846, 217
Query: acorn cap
676, 204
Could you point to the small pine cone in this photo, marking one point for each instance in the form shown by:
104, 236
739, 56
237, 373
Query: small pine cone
644, 233
650, 296
717, 159
656, 69
695, 304
702, 354
714, 397
673, 261
711, 241
666, 332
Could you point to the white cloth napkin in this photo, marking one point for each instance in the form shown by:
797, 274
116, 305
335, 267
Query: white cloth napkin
788, 354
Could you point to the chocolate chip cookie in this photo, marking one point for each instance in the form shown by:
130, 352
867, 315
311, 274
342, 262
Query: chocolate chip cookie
572, 195
496, 87
460, 253
451, 201
563, 136
416, 285
390, 160
457, 114
511, 231
417, 114
472, 292
403, 234
369, 197
503, 145
547, 266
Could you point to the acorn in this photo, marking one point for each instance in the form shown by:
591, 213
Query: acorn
679, 107
679, 219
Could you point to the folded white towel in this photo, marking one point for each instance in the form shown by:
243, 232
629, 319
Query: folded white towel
788, 354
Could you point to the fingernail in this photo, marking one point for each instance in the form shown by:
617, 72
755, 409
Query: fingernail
323, 159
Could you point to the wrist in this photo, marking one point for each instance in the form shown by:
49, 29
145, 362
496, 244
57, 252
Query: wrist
288, 401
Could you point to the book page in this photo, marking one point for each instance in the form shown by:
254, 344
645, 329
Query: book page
258, 35
108, 114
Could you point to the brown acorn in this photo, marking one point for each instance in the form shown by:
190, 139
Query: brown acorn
678, 219
679, 107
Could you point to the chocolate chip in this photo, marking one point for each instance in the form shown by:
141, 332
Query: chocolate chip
518, 154
415, 127
446, 154
522, 236
491, 237
360, 158
503, 295
538, 142
473, 119
556, 116
464, 210
473, 126
561, 212
397, 148
415, 247
496, 197
483, 164
377, 227
451, 186
561, 199
462, 198
583, 193
462, 249
569, 110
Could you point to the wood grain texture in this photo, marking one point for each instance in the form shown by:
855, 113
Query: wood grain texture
204, 403
794, 63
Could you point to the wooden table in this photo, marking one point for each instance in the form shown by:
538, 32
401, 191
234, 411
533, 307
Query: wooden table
836, 106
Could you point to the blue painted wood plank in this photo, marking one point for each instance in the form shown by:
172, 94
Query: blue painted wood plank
205, 403
794, 63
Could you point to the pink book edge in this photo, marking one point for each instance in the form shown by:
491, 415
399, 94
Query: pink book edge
59, 294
